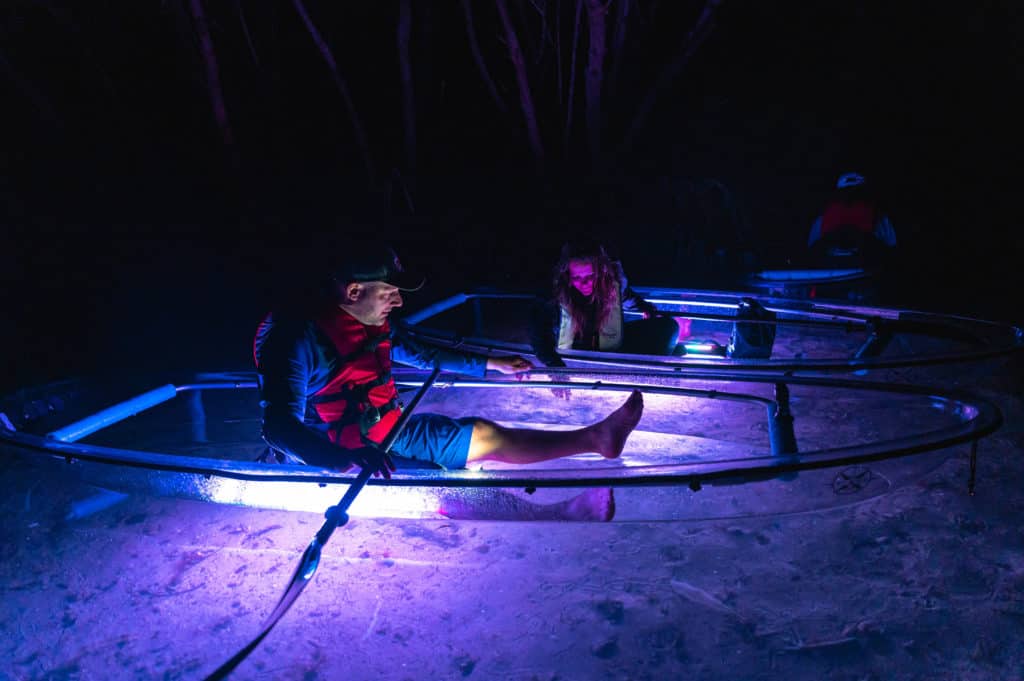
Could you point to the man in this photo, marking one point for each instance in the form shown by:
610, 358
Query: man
329, 399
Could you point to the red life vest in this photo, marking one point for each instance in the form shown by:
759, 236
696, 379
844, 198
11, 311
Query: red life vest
856, 216
360, 402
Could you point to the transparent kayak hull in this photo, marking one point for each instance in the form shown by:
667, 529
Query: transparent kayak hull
199, 439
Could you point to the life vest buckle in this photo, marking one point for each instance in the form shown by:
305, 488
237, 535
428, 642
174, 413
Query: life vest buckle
369, 418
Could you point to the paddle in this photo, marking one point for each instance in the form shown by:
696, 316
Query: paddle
336, 516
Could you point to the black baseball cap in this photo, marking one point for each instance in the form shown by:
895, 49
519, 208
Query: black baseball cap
375, 262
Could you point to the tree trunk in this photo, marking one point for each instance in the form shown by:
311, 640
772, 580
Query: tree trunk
408, 101
558, 48
245, 32
220, 112
693, 40
474, 47
618, 45
596, 12
525, 98
572, 79
357, 126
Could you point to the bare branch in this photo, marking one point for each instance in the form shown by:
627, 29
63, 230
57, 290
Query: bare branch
408, 101
525, 98
572, 78
529, 49
558, 48
618, 44
325, 52
396, 178
689, 46
596, 12
245, 32
475, 49
220, 112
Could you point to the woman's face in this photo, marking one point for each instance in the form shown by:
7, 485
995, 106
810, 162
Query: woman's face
581, 276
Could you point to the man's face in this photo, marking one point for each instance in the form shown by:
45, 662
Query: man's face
581, 276
371, 302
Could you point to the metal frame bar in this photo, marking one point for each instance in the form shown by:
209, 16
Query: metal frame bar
114, 414
831, 316
979, 417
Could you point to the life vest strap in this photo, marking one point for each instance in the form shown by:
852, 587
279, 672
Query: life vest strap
371, 416
353, 393
365, 414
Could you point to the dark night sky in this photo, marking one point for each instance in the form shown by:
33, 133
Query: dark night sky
132, 230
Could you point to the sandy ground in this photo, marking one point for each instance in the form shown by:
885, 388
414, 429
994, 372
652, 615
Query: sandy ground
924, 582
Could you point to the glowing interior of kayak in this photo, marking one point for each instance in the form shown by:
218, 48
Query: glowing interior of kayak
200, 440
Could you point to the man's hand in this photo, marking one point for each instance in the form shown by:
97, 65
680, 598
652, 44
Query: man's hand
509, 365
375, 459
562, 393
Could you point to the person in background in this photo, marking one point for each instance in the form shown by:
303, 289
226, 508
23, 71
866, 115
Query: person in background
590, 293
851, 228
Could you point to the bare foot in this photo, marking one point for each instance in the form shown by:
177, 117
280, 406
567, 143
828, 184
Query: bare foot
610, 435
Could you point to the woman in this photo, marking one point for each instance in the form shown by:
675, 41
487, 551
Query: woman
590, 294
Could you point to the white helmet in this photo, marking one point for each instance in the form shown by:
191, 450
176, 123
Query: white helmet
849, 180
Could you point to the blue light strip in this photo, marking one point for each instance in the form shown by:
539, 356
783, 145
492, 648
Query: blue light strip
437, 308
458, 299
111, 415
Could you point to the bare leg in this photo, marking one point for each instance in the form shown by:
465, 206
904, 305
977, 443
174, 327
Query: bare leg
522, 445
593, 504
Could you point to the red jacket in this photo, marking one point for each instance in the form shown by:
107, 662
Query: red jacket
858, 216
363, 383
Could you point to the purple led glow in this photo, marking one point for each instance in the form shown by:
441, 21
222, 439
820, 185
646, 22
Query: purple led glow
372, 502
643, 448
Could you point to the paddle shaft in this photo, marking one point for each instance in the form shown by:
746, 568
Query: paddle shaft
336, 517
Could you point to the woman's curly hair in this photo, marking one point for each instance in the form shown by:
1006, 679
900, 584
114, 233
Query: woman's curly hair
606, 283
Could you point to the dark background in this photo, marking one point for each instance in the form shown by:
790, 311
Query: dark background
140, 234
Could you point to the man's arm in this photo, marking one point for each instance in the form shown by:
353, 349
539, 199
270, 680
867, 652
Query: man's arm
409, 351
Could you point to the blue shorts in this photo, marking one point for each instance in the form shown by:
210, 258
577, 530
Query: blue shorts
438, 439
